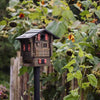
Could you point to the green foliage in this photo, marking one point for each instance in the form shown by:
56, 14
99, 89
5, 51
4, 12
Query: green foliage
13, 3
71, 97
78, 75
92, 79
58, 17
70, 76
23, 70
97, 12
85, 85
5, 47
70, 63
58, 28
3, 5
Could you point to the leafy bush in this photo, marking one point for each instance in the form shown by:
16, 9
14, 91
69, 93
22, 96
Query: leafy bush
77, 52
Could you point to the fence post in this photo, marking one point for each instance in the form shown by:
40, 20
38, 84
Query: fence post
11, 80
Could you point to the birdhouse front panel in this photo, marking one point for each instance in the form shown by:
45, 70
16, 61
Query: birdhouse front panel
36, 47
42, 47
42, 61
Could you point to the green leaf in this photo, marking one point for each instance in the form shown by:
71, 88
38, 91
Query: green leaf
34, 15
82, 66
70, 69
45, 10
92, 29
70, 63
84, 13
88, 66
68, 14
1, 27
78, 74
81, 53
85, 85
74, 92
92, 79
23, 70
3, 22
86, 3
57, 28
70, 97
89, 56
12, 3
56, 11
58, 44
97, 12
58, 64
70, 77
76, 24
98, 8
85, 44
84, 28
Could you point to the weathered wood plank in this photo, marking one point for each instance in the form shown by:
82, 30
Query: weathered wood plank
11, 80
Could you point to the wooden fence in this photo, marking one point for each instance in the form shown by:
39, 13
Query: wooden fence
18, 84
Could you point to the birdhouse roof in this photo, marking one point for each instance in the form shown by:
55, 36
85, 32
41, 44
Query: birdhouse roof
32, 32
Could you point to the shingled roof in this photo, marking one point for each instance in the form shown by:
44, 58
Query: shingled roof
32, 32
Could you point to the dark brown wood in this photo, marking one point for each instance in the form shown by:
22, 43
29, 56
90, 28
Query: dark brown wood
17, 83
36, 44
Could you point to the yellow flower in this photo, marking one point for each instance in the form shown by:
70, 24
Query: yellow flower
42, 2
79, 5
73, 40
71, 37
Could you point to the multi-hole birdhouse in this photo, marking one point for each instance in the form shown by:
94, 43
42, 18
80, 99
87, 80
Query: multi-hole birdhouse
36, 47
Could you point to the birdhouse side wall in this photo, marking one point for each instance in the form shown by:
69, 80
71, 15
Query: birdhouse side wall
51, 46
26, 50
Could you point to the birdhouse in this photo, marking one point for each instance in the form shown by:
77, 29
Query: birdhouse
36, 47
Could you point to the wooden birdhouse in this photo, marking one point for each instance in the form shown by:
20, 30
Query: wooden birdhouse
36, 47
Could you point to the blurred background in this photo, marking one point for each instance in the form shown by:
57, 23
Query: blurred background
6, 49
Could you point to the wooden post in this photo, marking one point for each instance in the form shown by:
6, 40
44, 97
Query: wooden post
36, 83
11, 80
17, 83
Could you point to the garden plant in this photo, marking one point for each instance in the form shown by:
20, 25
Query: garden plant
76, 53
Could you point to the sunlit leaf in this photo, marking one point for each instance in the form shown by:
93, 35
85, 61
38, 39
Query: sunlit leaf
34, 15
81, 53
85, 85
92, 79
82, 66
89, 56
70, 97
70, 69
74, 92
84, 13
70, 77
78, 74
70, 63
56, 11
